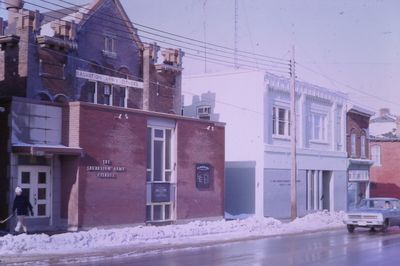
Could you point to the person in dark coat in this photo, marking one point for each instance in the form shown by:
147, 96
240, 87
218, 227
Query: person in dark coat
22, 206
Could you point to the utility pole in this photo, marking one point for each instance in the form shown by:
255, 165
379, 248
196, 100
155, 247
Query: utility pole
205, 35
293, 169
235, 60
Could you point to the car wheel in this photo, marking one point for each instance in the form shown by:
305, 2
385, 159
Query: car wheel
385, 225
350, 228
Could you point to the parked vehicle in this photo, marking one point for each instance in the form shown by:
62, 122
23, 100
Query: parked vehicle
374, 213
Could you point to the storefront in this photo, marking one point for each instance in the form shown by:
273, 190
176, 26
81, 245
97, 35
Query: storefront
358, 186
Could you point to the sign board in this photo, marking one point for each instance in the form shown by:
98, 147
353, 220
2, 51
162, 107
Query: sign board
160, 192
109, 79
358, 175
203, 176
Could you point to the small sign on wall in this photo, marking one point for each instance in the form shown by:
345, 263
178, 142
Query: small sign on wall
204, 174
160, 192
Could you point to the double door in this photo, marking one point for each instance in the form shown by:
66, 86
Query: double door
35, 182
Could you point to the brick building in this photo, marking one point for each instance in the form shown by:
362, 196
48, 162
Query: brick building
385, 153
91, 129
359, 164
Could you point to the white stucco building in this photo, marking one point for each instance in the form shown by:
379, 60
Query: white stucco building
256, 109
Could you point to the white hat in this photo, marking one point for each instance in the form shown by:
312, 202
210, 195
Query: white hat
18, 190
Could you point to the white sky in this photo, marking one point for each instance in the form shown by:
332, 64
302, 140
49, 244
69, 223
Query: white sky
356, 44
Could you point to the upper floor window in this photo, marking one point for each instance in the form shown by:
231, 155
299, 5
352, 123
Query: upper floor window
204, 112
376, 155
92, 92
107, 94
109, 46
363, 146
122, 97
353, 144
318, 127
280, 121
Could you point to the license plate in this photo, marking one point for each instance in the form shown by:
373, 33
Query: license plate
362, 223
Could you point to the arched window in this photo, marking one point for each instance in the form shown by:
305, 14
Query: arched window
353, 146
363, 144
60, 98
376, 155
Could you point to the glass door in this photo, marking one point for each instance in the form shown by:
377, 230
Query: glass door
35, 182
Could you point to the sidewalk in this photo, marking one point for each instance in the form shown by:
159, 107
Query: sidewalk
98, 244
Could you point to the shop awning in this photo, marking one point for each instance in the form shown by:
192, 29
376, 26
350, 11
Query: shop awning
45, 149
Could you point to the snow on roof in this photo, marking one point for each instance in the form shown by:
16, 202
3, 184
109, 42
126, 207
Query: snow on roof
194, 232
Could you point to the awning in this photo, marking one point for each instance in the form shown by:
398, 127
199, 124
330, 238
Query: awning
45, 149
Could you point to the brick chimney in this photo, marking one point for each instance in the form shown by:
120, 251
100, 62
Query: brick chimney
149, 59
13, 8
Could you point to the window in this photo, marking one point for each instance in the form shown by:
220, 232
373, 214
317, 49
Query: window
353, 144
159, 212
92, 92
107, 94
159, 155
376, 155
318, 127
122, 98
159, 170
280, 121
338, 129
363, 146
204, 112
109, 46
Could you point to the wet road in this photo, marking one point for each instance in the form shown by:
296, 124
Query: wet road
326, 248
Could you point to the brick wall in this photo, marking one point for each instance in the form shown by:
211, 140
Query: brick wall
385, 179
357, 123
197, 144
104, 136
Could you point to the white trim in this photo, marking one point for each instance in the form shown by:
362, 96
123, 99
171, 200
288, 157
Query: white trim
108, 79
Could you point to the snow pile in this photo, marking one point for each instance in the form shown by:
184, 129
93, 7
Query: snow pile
173, 234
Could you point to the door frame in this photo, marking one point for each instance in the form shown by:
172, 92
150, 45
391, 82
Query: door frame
49, 187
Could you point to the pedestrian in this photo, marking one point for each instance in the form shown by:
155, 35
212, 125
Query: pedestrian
22, 206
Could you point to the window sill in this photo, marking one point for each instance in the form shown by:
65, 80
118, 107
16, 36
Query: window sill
319, 141
110, 54
281, 137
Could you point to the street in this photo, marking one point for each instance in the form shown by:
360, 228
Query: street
335, 247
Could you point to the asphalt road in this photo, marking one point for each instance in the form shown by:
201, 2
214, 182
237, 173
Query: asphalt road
322, 248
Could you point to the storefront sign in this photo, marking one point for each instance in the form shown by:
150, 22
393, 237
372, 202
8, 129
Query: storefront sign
160, 192
106, 171
203, 176
109, 79
358, 175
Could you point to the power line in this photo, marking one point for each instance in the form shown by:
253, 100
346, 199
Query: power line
278, 69
346, 85
184, 37
202, 44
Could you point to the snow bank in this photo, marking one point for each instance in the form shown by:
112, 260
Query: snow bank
192, 232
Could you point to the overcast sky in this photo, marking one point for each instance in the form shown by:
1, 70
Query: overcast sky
352, 46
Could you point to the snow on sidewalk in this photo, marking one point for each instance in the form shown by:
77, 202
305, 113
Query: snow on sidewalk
173, 234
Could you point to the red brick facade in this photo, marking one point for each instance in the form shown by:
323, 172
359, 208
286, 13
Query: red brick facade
357, 124
93, 201
385, 177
